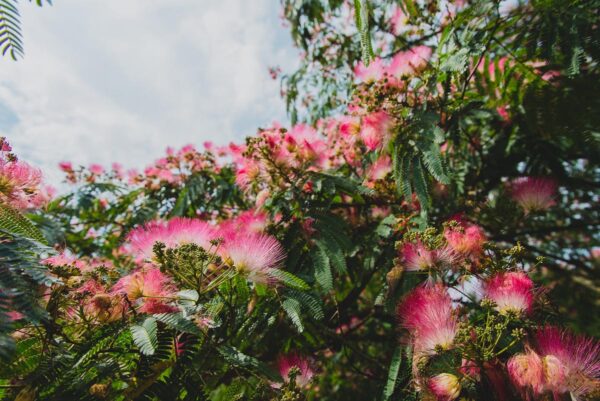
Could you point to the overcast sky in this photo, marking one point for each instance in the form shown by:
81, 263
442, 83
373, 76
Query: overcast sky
116, 80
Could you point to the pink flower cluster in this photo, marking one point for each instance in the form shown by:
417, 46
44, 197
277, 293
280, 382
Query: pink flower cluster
428, 314
173, 169
403, 64
241, 242
21, 184
557, 363
533, 193
511, 291
172, 233
464, 243
287, 362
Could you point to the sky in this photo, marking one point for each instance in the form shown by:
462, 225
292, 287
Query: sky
107, 81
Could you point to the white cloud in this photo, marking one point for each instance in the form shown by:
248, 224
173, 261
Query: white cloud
114, 80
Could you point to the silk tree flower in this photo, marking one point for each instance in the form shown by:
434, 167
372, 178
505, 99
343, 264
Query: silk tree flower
533, 193
254, 255
466, 241
250, 221
410, 61
526, 371
371, 73
247, 172
287, 362
349, 126
149, 289
304, 142
511, 291
173, 233
379, 169
62, 259
445, 386
19, 184
571, 363
398, 20
96, 169
417, 257
104, 307
428, 315
375, 129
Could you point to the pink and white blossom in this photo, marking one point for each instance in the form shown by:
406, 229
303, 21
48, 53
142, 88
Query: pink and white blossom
255, 255
445, 386
172, 233
287, 362
428, 315
510, 291
533, 193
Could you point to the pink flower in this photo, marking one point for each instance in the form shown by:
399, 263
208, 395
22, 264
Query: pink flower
445, 386
371, 73
428, 314
289, 361
250, 221
571, 363
398, 20
148, 289
467, 241
104, 307
117, 168
96, 169
91, 287
512, 291
13, 315
375, 129
526, 372
63, 259
533, 193
349, 126
416, 257
247, 172
379, 169
410, 61
19, 184
173, 233
254, 255
67, 167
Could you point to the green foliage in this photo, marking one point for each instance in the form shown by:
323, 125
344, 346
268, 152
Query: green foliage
506, 93
390, 385
14, 222
11, 38
144, 336
361, 13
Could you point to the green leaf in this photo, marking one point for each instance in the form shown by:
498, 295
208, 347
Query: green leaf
401, 173
10, 30
322, 268
238, 358
178, 322
145, 336
93, 351
309, 302
390, 385
289, 279
345, 184
291, 307
420, 184
361, 13
333, 251
13, 221
433, 162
